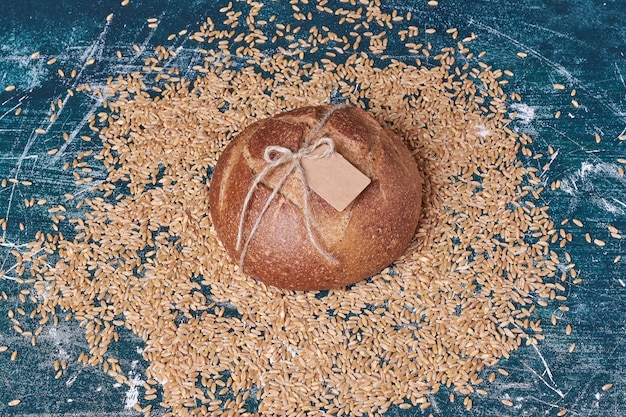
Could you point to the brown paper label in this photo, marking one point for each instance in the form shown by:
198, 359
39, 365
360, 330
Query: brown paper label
334, 179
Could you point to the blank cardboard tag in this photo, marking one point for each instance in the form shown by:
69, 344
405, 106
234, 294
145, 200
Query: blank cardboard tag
334, 179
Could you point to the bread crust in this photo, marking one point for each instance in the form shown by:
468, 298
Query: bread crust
367, 236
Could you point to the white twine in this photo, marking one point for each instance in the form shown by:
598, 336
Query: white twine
276, 156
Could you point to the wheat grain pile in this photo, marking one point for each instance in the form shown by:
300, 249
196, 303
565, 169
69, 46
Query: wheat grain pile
146, 256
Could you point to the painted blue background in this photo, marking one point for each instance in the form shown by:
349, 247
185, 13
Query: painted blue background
581, 44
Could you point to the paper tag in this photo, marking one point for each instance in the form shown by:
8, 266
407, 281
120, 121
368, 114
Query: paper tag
334, 179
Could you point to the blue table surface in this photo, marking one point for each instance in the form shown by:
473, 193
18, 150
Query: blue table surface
578, 43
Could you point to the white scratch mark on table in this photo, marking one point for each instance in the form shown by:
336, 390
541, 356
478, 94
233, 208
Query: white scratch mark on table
555, 389
545, 365
619, 73
549, 404
547, 166
560, 35
619, 201
70, 381
19, 102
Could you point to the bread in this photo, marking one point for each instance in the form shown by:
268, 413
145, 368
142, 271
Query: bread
373, 231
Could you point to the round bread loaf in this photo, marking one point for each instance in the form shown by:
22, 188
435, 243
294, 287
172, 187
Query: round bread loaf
369, 234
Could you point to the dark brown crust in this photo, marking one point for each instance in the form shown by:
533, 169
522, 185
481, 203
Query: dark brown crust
366, 237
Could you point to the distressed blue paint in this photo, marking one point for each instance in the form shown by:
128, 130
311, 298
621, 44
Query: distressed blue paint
581, 44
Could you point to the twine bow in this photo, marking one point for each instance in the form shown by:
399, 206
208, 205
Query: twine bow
276, 156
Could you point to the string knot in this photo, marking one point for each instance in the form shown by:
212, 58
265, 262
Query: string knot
277, 155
